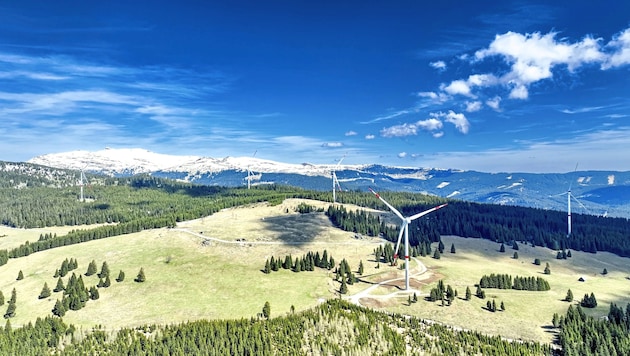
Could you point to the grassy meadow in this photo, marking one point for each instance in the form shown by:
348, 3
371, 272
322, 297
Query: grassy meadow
190, 276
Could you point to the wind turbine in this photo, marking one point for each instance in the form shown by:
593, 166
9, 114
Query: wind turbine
404, 228
335, 181
82, 179
569, 196
249, 172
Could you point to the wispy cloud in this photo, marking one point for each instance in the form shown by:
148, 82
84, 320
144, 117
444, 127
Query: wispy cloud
351, 133
332, 144
581, 110
439, 65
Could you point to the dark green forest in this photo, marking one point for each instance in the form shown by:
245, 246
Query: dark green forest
332, 328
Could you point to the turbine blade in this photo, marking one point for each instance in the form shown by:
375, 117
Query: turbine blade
579, 202
388, 205
413, 217
402, 230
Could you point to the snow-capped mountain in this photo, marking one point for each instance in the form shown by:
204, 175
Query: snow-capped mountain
600, 192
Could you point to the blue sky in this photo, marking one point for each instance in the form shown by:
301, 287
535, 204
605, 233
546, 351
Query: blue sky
492, 86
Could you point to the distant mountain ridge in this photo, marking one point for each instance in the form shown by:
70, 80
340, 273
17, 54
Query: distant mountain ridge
601, 192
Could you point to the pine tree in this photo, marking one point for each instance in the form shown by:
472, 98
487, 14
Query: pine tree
107, 282
59, 309
91, 269
502, 306
502, 248
515, 255
267, 269
537, 261
569, 297
515, 245
452, 248
266, 311
20, 276
415, 298
1, 298
94, 295
13, 296
360, 268
604, 272
121, 276
555, 321
468, 293
140, 277
436, 254
104, 270
45, 293
547, 269
10, 313
441, 246
59, 287
344, 287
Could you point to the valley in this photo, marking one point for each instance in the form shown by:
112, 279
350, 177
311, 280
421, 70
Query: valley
210, 268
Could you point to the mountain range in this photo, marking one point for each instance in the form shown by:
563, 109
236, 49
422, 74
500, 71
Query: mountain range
593, 192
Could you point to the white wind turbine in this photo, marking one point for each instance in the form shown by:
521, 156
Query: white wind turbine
335, 181
404, 227
569, 197
82, 181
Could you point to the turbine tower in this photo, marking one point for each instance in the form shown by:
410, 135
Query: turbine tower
335, 181
82, 181
404, 228
569, 197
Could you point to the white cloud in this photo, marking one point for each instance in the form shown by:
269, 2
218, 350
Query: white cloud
436, 98
431, 124
472, 106
458, 87
409, 129
457, 119
494, 103
351, 133
400, 130
519, 92
439, 65
438, 134
332, 144
402, 155
621, 47
369, 137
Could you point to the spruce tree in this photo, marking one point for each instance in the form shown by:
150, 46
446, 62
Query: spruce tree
452, 248
266, 311
360, 268
436, 254
344, 288
91, 269
569, 297
20, 276
94, 295
267, 269
140, 277
1, 298
547, 269
107, 282
468, 293
13, 296
515, 255
59, 309
502, 306
502, 248
59, 287
104, 270
537, 261
45, 293
10, 313
121, 276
